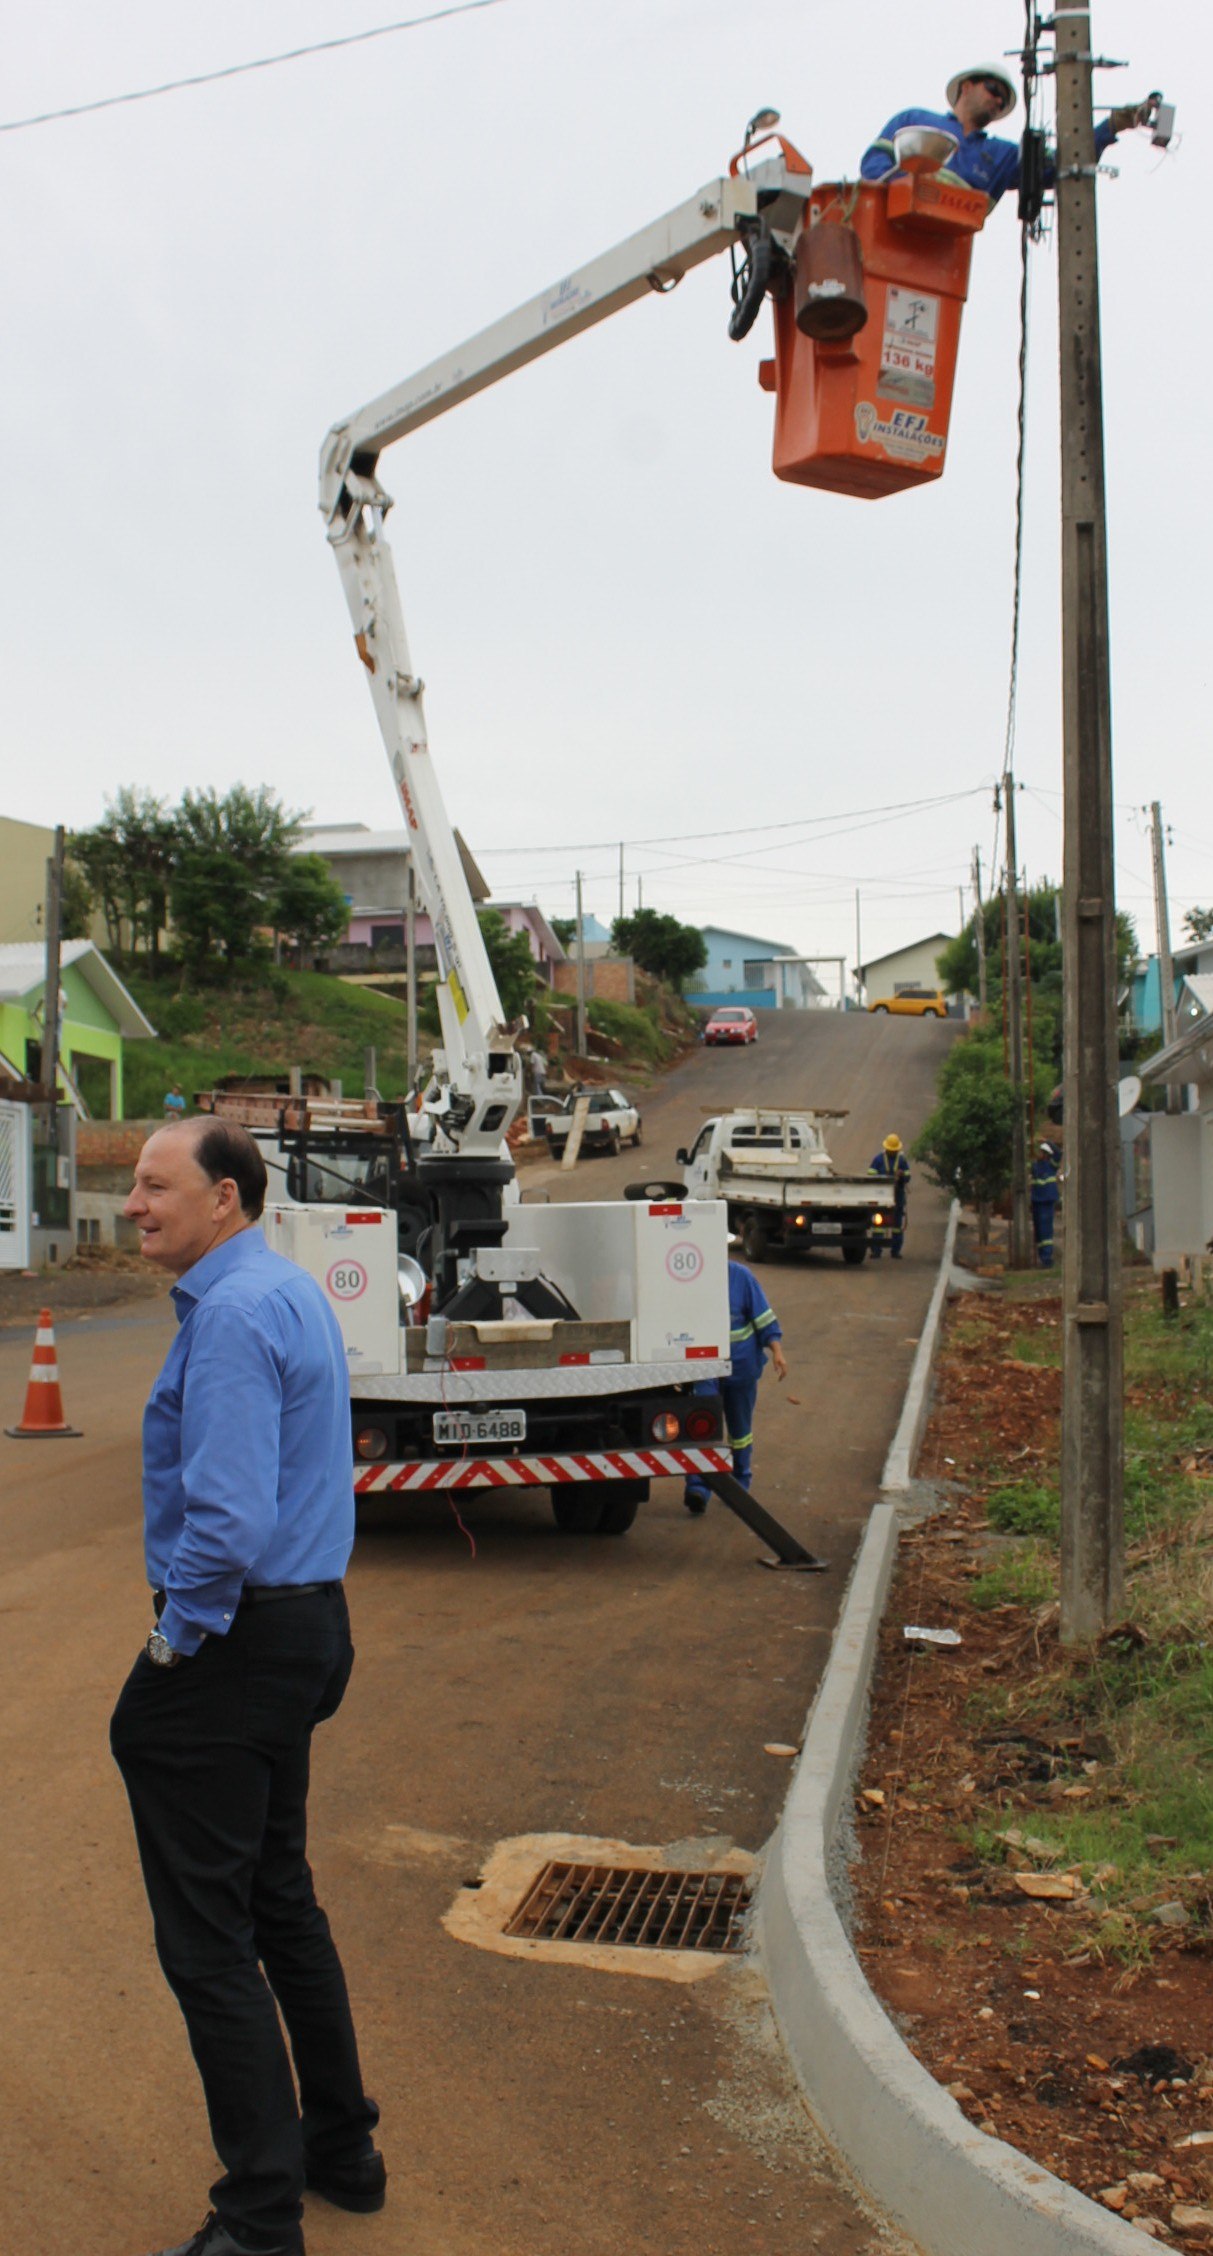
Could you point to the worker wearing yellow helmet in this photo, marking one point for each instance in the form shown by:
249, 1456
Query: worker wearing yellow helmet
891, 1162
978, 98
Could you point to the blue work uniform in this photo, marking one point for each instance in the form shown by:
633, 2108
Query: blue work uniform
892, 1231
753, 1325
981, 160
1045, 1192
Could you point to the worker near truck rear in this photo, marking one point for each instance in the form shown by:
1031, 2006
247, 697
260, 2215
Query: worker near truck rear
248, 1524
977, 99
1044, 1191
891, 1161
754, 1333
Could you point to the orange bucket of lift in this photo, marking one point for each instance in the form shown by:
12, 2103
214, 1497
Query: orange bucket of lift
867, 414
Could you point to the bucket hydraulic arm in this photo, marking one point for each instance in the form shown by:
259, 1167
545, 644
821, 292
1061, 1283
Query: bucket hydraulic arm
475, 1090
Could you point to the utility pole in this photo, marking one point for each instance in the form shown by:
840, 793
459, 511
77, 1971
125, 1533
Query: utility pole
1021, 1221
50, 991
858, 953
981, 931
581, 1051
621, 880
1092, 1418
1162, 925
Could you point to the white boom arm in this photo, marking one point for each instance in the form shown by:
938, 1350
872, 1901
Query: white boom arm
477, 1089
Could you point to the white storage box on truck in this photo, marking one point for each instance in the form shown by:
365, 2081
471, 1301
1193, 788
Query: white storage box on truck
779, 1185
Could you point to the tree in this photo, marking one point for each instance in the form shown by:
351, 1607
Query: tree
127, 859
1199, 924
565, 929
965, 1146
232, 854
76, 903
308, 907
661, 945
513, 966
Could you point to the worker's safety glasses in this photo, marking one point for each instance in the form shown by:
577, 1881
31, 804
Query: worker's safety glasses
993, 86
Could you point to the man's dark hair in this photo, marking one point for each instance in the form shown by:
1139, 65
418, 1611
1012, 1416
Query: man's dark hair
224, 1148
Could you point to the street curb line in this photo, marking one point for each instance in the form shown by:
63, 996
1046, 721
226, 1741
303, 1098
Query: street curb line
906, 1442
956, 2190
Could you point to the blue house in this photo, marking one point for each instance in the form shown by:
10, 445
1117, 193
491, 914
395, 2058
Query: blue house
742, 968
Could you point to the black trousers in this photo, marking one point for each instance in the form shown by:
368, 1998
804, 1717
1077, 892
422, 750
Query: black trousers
214, 1755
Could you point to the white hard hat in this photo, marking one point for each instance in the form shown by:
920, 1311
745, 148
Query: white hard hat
991, 71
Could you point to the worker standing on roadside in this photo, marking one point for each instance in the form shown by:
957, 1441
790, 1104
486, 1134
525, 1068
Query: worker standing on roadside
754, 1333
979, 98
1045, 1192
891, 1161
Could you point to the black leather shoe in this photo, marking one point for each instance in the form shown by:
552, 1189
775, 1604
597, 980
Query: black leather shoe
360, 2185
214, 2239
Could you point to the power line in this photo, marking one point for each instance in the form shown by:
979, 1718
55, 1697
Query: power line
859, 815
237, 70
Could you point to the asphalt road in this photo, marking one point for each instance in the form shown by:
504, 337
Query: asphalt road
624, 1688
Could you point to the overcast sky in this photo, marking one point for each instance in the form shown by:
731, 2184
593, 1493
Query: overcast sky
629, 630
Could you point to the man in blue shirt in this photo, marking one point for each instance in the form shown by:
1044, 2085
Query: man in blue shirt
977, 99
754, 1333
249, 1523
1045, 1192
891, 1161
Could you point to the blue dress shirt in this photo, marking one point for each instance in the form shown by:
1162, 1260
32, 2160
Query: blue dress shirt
981, 160
248, 1471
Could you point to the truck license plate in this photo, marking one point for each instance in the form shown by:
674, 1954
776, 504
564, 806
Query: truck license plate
827, 1229
464, 1427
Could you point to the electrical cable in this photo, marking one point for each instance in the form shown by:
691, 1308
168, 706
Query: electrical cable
862, 815
238, 70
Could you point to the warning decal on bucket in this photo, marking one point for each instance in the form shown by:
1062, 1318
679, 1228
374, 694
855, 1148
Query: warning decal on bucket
907, 359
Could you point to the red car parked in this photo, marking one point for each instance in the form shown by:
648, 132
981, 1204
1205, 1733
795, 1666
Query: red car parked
731, 1026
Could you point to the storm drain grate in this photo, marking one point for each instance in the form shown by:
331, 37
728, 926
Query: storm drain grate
645, 1910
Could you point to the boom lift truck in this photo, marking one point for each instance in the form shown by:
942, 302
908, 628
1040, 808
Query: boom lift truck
562, 1343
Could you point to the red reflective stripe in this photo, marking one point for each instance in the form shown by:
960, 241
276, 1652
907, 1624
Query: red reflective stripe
361, 1219
693, 1353
467, 1362
665, 1209
574, 1359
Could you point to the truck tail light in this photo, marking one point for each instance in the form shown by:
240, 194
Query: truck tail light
877, 1220
666, 1426
800, 1222
371, 1444
701, 1425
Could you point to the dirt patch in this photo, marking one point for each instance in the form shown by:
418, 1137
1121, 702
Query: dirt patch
1092, 2062
97, 1278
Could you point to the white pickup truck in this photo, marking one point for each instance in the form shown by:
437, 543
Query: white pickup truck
779, 1185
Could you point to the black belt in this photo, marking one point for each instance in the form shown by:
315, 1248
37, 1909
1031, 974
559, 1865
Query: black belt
261, 1593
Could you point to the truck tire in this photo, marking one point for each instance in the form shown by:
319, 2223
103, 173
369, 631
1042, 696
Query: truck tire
754, 1238
854, 1254
598, 1507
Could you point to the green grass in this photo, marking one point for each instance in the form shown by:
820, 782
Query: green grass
638, 1029
1144, 1832
257, 1025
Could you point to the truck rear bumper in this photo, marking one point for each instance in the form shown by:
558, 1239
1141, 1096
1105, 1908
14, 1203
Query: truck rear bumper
541, 1471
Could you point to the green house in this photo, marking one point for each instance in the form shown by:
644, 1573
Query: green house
97, 1015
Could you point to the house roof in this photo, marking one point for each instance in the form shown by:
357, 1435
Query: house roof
751, 939
891, 954
23, 973
1194, 1047
539, 925
337, 840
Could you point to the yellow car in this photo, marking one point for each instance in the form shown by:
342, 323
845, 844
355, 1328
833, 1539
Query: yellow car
913, 1002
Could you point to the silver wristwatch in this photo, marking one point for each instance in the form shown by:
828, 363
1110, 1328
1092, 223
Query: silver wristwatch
160, 1651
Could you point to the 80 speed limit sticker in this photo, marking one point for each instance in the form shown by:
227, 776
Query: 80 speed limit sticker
346, 1280
684, 1263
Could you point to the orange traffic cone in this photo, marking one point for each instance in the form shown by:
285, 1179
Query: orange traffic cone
43, 1416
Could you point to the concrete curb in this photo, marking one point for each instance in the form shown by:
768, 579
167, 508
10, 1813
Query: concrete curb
954, 2189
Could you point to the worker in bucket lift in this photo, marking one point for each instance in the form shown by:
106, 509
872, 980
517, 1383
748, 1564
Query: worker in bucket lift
754, 1333
1045, 1192
977, 99
891, 1161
